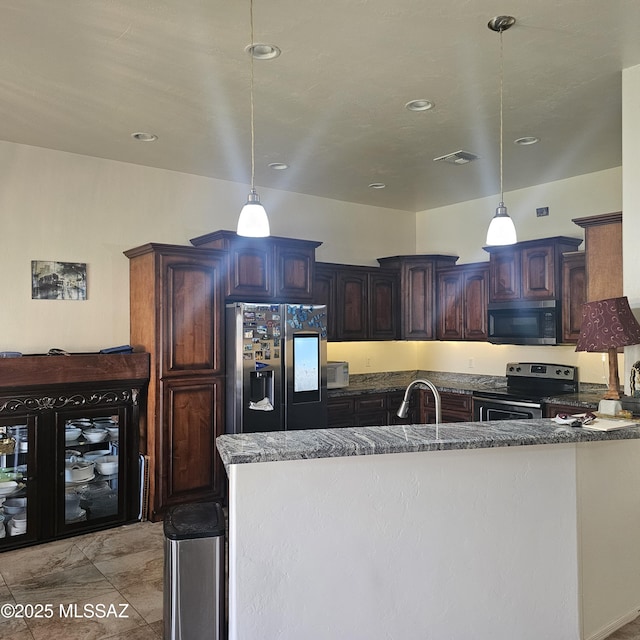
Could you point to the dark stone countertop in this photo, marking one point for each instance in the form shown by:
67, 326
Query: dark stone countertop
360, 384
358, 441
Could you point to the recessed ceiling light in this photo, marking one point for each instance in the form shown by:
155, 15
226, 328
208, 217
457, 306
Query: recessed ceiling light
278, 166
263, 51
144, 137
377, 185
526, 140
419, 105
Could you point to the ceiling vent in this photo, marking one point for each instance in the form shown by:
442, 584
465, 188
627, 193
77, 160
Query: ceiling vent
457, 157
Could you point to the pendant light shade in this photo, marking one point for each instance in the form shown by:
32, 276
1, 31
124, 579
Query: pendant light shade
253, 221
501, 229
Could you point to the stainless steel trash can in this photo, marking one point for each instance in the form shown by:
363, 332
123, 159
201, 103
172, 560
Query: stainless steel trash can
194, 591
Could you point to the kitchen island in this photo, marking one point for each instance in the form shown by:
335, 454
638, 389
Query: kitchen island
512, 529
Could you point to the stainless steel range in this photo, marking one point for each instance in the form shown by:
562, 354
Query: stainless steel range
528, 383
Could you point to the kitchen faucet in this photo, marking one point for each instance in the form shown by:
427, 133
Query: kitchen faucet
404, 406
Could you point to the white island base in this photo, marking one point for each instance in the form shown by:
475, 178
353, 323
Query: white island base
522, 542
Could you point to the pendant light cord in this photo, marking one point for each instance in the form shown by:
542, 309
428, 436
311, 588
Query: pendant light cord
501, 117
253, 162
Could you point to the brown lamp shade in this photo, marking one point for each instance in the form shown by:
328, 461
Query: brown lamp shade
606, 326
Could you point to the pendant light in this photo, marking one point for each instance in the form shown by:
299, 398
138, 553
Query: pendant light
253, 220
501, 229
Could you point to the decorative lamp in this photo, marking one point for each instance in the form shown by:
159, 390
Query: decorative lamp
501, 230
608, 325
253, 220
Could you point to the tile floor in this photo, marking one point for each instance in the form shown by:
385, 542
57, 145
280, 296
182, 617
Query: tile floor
118, 566
121, 566
630, 631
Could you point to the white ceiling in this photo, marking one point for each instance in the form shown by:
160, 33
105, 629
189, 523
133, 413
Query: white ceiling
82, 75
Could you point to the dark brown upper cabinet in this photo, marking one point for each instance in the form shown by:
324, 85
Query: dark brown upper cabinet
362, 302
529, 270
603, 254
463, 293
265, 269
417, 292
325, 292
574, 293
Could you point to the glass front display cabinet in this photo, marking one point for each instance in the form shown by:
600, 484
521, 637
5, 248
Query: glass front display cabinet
92, 463
18, 488
69, 459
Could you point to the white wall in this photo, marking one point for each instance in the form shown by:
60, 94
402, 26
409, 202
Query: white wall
482, 358
609, 520
477, 358
631, 202
369, 357
631, 183
447, 544
72, 208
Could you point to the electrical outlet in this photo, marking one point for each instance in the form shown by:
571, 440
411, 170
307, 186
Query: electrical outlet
471, 363
367, 362
542, 211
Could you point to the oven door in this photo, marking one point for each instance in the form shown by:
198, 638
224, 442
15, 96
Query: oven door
494, 409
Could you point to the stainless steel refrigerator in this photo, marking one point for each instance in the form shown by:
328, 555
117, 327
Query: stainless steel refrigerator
276, 367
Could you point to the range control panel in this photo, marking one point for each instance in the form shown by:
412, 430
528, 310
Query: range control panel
542, 371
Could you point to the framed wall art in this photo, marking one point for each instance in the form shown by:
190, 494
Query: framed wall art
58, 280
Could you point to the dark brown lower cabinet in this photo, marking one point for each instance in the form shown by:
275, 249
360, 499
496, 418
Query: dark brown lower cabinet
373, 409
370, 409
360, 411
551, 410
341, 412
455, 407
394, 400
189, 469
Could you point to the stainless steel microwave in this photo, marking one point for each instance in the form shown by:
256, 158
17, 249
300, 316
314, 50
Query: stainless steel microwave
525, 322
